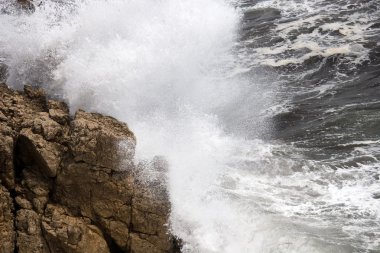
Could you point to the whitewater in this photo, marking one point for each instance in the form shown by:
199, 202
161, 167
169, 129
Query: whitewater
197, 83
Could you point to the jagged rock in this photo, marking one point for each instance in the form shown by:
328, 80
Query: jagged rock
7, 231
65, 233
34, 188
96, 194
74, 182
150, 210
29, 234
48, 128
3, 117
23, 202
6, 161
58, 111
94, 136
34, 149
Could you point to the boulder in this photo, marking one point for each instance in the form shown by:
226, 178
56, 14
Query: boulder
70, 184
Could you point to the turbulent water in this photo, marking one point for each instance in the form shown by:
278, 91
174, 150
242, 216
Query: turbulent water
267, 111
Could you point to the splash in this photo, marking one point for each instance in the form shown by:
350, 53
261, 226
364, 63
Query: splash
161, 66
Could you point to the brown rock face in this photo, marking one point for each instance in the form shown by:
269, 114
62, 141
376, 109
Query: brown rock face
65, 233
70, 185
7, 232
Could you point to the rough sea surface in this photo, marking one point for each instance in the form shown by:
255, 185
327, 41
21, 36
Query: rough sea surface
268, 112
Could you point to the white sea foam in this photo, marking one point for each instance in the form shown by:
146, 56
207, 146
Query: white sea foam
316, 17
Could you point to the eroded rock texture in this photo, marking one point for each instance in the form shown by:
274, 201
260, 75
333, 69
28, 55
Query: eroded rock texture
70, 184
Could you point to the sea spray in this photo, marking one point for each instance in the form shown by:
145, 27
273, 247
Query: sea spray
158, 65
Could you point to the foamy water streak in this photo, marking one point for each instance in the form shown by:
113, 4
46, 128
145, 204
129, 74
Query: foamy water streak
326, 36
167, 68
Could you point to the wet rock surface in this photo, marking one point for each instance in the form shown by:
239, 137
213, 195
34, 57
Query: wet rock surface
69, 184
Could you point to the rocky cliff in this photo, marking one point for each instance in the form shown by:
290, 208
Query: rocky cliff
69, 184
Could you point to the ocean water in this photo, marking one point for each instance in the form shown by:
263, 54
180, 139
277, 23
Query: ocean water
267, 111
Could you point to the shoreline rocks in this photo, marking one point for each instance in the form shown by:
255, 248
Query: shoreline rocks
66, 185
